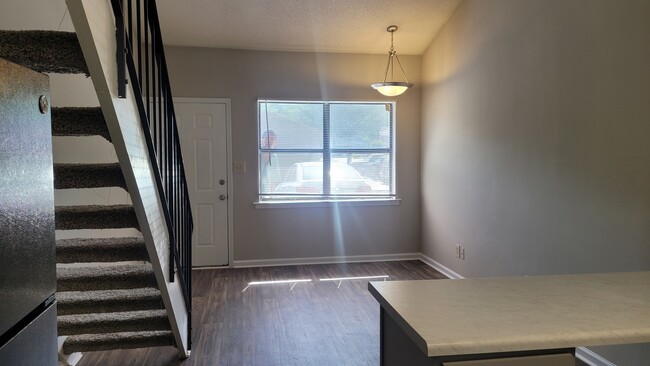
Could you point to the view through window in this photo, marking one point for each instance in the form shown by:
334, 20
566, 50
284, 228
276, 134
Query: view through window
325, 150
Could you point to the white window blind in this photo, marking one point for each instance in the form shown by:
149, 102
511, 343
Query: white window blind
325, 150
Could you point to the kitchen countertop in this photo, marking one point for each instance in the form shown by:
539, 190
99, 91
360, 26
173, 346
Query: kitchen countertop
486, 315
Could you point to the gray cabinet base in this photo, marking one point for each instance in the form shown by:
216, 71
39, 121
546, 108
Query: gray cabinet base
35, 344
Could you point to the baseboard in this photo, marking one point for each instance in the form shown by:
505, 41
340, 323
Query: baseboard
591, 358
325, 260
440, 267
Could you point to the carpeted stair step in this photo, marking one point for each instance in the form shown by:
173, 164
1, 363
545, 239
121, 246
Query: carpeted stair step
70, 176
95, 217
106, 301
44, 51
101, 250
104, 342
93, 278
79, 121
130, 321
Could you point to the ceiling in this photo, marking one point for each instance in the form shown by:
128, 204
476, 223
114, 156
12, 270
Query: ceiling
343, 26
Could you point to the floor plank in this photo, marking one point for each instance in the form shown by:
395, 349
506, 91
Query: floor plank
316, 323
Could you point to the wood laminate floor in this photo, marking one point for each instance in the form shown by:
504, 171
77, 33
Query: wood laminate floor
316, 323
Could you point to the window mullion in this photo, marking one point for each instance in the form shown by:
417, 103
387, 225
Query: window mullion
327, 154
391, 155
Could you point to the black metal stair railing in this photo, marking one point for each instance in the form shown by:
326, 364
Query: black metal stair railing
140, 49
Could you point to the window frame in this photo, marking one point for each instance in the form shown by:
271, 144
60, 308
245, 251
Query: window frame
327, 152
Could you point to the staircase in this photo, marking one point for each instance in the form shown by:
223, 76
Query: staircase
106, 288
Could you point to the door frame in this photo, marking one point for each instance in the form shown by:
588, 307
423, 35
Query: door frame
229, 172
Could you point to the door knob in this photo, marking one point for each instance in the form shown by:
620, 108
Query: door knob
222, 197
222, 182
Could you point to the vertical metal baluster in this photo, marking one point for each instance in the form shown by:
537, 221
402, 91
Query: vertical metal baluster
169, 120
184, 241
185, 237
162, 122
156, 85
175, 200
171, 206
179, 200
146, 58
179, 197
152, 100
167, 149
119, 49
130, 18
138, 7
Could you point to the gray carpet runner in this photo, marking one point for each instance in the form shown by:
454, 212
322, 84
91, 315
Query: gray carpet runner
117, 322
79, 121
101, 250
106, 301
44, 51
92, 278
95, 217
125, 340
88, 176
106, 289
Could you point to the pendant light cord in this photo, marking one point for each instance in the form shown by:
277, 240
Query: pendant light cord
392, 54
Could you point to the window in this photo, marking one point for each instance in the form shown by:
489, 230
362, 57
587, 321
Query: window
325, 150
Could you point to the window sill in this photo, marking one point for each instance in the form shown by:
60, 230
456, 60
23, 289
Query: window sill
328, 203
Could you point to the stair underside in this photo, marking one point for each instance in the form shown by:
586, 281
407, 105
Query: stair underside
131, 321
101, 250
100, 307
95, 217
107, 301
126, 340
92, 278
76, 176
79, 121
44, 51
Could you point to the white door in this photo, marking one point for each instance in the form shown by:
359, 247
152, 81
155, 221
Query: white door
203, 129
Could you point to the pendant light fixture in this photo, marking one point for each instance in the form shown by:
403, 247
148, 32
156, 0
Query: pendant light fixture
392, 88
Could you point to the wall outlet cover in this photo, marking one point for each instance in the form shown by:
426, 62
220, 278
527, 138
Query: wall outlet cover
239, 166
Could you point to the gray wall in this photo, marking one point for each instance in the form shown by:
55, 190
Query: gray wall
535, 153
245, 76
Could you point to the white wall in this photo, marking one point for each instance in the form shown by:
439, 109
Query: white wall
535, 153
245, 76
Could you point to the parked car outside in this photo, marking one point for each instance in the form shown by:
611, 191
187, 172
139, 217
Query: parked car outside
307, 178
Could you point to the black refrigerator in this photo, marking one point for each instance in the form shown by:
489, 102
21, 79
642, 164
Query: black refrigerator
27, 246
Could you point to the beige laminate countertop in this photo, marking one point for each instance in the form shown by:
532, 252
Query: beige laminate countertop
485, 315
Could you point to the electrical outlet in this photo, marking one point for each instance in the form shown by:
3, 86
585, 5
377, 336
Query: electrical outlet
462, 253
457, 251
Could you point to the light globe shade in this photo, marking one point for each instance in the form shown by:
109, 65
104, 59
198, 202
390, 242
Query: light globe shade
391, 89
